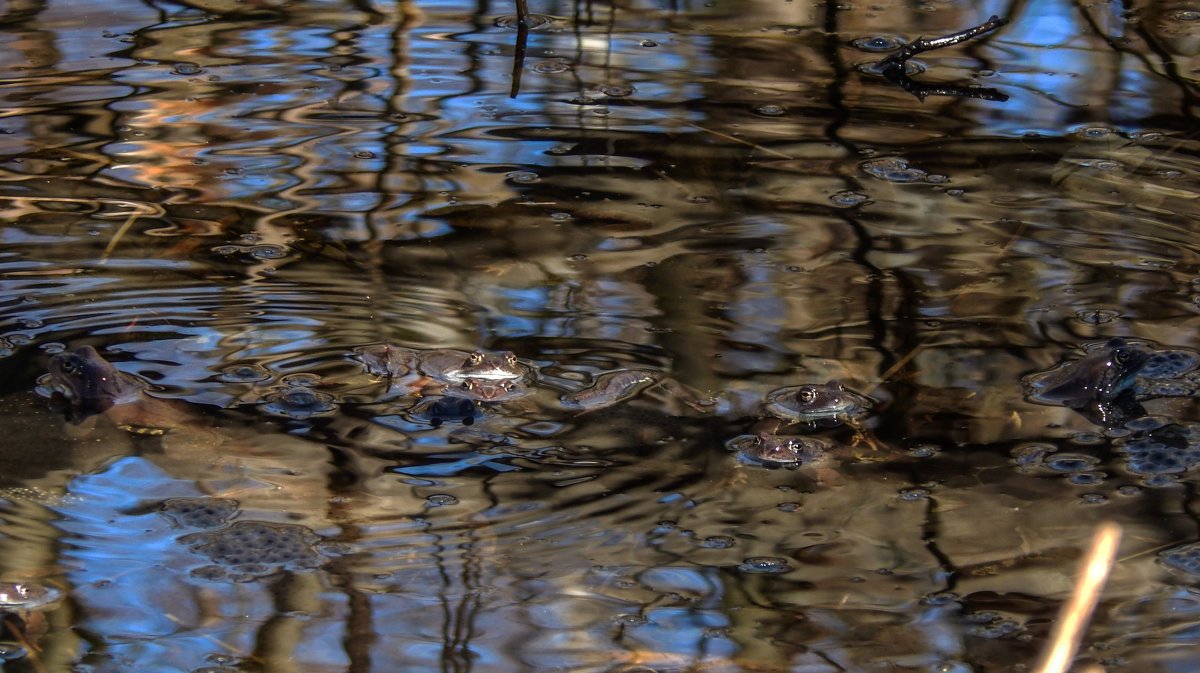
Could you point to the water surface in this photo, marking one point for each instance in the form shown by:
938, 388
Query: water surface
227, 198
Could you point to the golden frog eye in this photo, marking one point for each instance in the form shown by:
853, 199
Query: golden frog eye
475, 358
807, 395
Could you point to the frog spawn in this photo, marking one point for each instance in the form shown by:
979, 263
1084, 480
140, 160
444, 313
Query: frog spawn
248, 550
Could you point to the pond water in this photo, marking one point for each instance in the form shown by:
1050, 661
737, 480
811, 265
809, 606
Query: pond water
667, 211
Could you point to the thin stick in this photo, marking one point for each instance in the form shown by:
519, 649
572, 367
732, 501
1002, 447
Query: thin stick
893, 67
1073, 619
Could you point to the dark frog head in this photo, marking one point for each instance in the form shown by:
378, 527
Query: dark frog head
1100, 377
89, 383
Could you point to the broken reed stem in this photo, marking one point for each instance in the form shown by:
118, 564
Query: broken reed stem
1075, 614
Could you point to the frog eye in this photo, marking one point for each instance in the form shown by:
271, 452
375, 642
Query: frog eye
72, 366
1122, 355
475, 358
807, 395
465, 385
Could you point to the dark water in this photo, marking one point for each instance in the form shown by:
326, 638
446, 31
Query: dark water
227, 197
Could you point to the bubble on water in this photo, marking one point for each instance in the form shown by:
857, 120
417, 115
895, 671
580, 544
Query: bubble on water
1070, 462
718, 542
523, 177
246, 373
1096, 316
877, 43
1093, 498
50, 347
1169, 174
577, 258
533, 21
848, 199
268, 251
364, 154
893, 169
302, 379
560, 217
187, 69
27, 595
550, 66
1101, 164
789, 507
202, 512
440, 500
12, 651
632, 620
770, 110
924, 451
764, 565
648, 43
1087, 478
616, 90
914, 494
299, 403
1094, 132
937, 178
227, 249
1185, 15
941, 599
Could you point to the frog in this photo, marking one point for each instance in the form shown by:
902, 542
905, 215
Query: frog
771, 449
609, 388
825, 404
1099, 385
90, 384
92, 387
453, 366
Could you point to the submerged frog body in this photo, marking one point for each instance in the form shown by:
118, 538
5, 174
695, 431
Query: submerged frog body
90, 384
1100, 377
609, 388
817, 404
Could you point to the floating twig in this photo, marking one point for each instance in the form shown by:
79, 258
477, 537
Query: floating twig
894, 67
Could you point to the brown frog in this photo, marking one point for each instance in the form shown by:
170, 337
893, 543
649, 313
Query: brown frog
92, 386
818, 404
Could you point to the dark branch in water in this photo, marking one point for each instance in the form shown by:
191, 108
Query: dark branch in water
893, 67
519, 52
